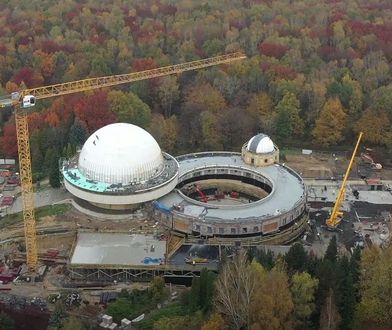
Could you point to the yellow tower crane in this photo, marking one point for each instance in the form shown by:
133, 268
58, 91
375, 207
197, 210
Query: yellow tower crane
25, 99
336, 215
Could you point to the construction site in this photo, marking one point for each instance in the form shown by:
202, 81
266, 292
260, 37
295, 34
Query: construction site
143, 213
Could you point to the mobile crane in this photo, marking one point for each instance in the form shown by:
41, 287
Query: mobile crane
336, 214
25, 99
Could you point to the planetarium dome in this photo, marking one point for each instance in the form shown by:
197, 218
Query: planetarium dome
260, 144
120, 153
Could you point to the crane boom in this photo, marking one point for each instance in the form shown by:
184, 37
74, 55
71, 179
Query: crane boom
107, 81
16, 99
336, 214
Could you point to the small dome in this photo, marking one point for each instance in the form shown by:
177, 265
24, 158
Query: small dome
260, 144
120, 153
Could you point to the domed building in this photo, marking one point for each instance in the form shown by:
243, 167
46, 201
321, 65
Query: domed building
260, 151
120, 166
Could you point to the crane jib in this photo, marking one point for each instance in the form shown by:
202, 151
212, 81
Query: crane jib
107, 81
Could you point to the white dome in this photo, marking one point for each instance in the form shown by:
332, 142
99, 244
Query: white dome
120, 153
260, 144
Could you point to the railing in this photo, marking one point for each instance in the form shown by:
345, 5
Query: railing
280, 236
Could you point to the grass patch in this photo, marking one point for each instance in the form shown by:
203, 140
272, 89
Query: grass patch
168, 311
130, 304
49, 210
291, 151
42, 187
44, 211
11, 219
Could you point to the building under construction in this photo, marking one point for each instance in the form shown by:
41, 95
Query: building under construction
217, 200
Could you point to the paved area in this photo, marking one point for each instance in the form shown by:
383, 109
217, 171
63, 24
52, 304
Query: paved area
327, 191
282, 179
118, 249
48, 196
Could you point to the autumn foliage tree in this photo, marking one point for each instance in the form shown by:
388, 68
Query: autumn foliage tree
375, 125
29, 77
215, 322
376, 287
271, 305
207, 98
261, 108
288, 122
303, 288
129, 108
330, 124
10, 147
272, 49
164, 130
94, 111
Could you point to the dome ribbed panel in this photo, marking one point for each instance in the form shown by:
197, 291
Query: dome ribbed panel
260, 144
120, 153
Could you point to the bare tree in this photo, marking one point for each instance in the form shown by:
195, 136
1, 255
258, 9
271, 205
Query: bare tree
234, 288
330, 317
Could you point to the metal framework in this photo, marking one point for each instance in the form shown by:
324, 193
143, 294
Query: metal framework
70, 88
336, 215
100, 82
124, 274
22, 131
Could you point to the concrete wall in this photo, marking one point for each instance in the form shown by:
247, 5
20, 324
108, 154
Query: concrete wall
260, 159
120, 201
232, 185
206, 227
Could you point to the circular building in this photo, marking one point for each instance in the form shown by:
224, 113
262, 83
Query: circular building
233, 195
120, 166
260, 151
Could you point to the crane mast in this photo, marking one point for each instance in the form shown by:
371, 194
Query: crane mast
26, 183
26, 98
336, 215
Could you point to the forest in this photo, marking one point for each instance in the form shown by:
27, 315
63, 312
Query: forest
258, 290
317, 72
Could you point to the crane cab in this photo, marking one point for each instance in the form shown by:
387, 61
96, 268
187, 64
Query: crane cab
28, 101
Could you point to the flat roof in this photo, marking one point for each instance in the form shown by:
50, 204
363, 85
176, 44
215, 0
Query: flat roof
74, 176
117, 249
288, 189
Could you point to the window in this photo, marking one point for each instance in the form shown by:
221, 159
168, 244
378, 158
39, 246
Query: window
198, 227
255, 229
233, 231
266, 160
209, 230
244, 230
252, 160
221, 230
